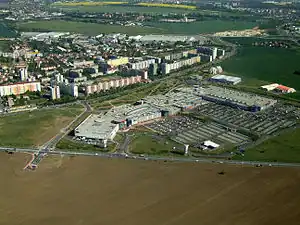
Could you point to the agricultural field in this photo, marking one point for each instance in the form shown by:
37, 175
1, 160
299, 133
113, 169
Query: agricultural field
6, 32
4, 46
208, 26
91, 190
176, 6
88, 3
100, 7
200, 27
35, 128
85, 28
282, 148
261, 65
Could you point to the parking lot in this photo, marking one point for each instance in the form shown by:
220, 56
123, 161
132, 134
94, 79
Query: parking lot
265, 122
187, 130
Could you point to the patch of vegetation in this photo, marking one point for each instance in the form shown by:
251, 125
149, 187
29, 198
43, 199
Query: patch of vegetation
68, 145
150, 144
262, 65
6, 31
120, 9
4, 46
84, 28
283, 148
34, 128
206, 26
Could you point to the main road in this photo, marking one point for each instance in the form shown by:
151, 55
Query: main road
49, 145
152, 158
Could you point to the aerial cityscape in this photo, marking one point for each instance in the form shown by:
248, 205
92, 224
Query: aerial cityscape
186, 112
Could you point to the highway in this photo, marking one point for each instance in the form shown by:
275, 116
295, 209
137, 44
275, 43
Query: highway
152, 158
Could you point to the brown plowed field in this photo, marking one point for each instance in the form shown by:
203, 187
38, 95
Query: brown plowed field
94, 191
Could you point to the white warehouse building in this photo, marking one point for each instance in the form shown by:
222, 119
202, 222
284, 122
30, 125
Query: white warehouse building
226, 79
98, 128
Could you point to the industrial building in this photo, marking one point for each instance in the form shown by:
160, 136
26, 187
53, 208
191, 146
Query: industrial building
285, 89
209, 145
166, 38
278, 88
242, 100
225, 79
216, 70
19, 88
104, 127
97, 127
269, 87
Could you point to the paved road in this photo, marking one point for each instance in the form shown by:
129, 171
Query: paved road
50, 145
39, 154
153, 158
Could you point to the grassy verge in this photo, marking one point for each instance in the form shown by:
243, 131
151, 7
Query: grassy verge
68, 145
150, 144
283, 148
35, 128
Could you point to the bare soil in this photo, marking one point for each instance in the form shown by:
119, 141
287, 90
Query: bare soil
94, 191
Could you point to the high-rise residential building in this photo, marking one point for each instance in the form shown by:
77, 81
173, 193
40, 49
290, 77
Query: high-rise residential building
214, 53
69, 89
23, 73
153, 69
19, 88
59, 78
55, 92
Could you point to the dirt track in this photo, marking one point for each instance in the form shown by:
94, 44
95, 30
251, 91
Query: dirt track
89, 191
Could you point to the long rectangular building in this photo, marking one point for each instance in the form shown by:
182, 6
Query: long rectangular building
112, 83
19, 88
169, 67
238, 99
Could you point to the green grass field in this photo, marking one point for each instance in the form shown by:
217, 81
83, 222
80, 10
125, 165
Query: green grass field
36, 127
85, 28
6, 31
209, 26
283, 148
4, 46
120, 9
261, 65
68, 145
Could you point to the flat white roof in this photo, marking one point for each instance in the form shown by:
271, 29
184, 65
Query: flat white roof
225, 77
210, 143
96, 127
270, 86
